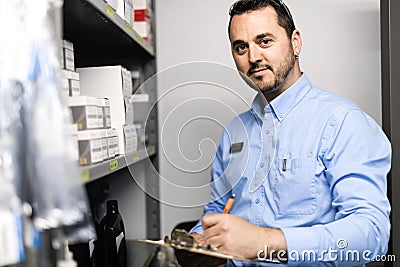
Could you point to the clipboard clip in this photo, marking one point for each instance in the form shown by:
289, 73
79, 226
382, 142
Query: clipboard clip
181, 238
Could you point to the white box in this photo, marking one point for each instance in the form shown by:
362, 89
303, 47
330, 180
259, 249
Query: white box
68, 45
129, 13
111, 134
130, 137
85, 111
70, 75
65, 86
104, 148
143, 28
113, 3
121, 9
106, 82
126, 82
74, 88
141, 4
100, 116
105, 104
69, 60
91, 146
129, 111
73, 132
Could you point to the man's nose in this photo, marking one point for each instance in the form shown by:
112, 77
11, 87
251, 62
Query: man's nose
255, 55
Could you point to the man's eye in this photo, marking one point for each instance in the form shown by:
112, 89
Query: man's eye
265, 42
241, 49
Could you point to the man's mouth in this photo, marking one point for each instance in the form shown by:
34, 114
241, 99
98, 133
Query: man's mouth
258, 72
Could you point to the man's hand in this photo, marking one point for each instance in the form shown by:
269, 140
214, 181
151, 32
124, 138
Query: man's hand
199, 239
237, 237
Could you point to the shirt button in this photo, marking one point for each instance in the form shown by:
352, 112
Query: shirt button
262, 165
257, 200
267, 131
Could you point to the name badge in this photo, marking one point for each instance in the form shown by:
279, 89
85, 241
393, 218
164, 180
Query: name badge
237, 147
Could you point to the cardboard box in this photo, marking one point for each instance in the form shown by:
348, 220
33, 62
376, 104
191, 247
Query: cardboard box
143, 28
107, 82
85, 112
130, 137
69, 59
91, 146
74, 87
141, 4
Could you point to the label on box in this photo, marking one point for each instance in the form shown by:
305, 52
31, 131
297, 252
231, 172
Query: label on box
68, 45
74, 88
130, 138
126, 82
91, 117
96, 151
141, 15
111, 150
100, 120
116, 146
104, 148
69, 59
107, 117
129, 13
129, 112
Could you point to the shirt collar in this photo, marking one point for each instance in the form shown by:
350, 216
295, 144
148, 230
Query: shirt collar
282, 104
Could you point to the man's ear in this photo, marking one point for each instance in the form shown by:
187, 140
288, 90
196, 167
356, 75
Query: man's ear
296, 42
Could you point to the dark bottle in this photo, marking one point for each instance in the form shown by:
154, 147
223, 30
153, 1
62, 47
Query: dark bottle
110, 248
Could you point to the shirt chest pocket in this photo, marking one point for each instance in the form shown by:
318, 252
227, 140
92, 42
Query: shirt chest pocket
293, 184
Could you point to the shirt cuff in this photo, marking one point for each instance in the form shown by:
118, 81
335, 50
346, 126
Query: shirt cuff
299, 243
197, 229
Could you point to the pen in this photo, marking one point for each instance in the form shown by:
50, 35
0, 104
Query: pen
229, 204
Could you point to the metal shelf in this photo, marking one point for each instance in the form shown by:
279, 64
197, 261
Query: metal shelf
96, 29
93, 172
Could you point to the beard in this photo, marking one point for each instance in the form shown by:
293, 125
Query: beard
281, 74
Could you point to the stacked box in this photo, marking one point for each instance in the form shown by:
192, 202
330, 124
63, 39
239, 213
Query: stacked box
130, 138
91, 146
68, 55
125, 11
142, 16
69, 78
105, 104
87, 112
114, 83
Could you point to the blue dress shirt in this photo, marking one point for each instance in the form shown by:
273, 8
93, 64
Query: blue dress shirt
312, 164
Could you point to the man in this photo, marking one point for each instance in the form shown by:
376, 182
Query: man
308, 168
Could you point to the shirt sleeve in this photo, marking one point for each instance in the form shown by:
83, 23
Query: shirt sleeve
219, 191
357, 158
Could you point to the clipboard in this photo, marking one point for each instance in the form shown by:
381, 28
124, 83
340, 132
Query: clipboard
182, 240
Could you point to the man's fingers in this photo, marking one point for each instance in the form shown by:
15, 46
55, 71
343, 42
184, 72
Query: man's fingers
209, 220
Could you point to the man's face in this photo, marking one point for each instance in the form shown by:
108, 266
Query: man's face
261, 49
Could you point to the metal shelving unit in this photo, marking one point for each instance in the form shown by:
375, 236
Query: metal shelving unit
96, 29
93, 172
102, 38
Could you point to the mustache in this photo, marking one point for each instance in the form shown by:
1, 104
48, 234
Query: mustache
257, 67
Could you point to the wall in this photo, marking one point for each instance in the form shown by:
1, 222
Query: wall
341, 53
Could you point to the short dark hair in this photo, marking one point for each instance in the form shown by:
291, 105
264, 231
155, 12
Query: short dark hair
284, 17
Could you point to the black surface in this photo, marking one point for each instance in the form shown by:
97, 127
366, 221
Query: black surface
98, 40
